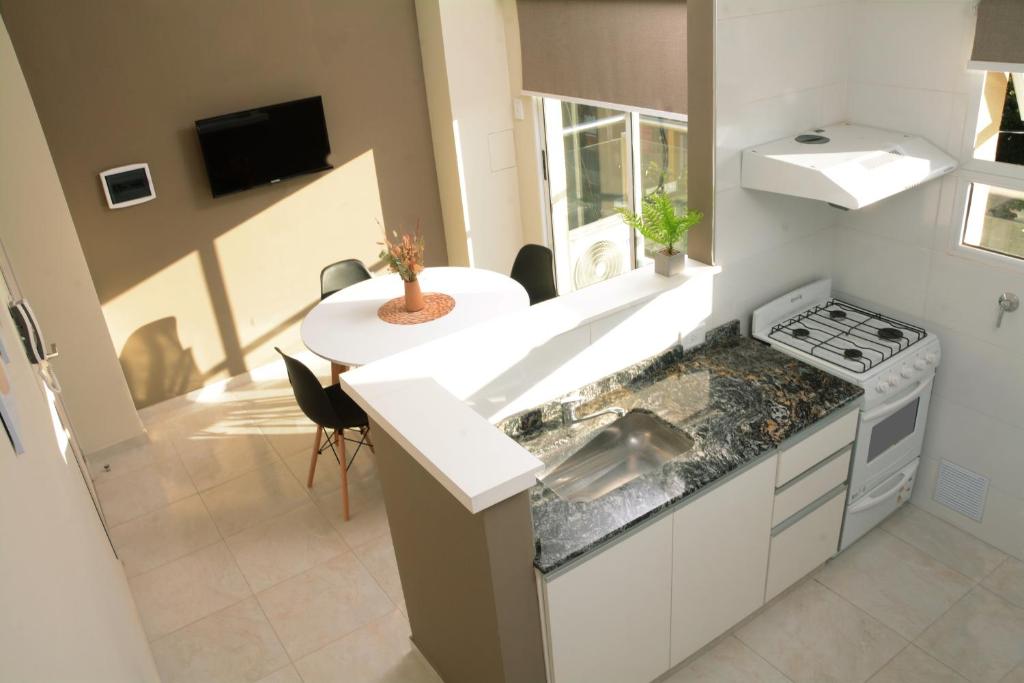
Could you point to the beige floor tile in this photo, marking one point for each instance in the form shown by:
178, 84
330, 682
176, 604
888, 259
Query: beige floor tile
289, 432
729, 660
943, 541
981, 637
326, 479
914, 666
379, 652
323, 604
368, 518
378, 556
216, 458
233, 645
285, 546
903, 587
1007, 581
253, 498
188, 589
125, 460
163, 535
812, 634
285, 675
144, 489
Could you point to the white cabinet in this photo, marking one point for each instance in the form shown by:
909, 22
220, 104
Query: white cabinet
720, 557
608, 618
799, 547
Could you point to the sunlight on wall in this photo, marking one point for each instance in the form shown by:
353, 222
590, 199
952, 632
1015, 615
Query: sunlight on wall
221, 309
273, 260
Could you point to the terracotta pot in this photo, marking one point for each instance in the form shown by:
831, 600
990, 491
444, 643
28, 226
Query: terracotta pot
413, 296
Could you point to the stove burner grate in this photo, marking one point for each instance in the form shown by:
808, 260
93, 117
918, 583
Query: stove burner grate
846, 335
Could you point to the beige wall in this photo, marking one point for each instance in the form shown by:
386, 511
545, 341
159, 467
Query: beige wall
66, 613
195, 289
37, 233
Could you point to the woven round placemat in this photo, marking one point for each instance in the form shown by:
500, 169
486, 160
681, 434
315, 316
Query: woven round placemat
436, 306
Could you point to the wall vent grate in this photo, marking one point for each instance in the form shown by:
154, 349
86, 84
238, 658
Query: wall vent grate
961, 490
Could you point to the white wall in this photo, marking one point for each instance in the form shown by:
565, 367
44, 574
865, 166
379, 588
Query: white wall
907, 71
44, 250
468, 96
65, 609
781, 68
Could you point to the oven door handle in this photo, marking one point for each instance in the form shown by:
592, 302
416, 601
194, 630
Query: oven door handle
869, 501
888, 408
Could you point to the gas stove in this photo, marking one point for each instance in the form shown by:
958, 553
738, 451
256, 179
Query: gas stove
893, 361
877, 352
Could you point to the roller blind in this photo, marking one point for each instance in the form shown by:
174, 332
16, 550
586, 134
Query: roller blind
999, 36
627, 52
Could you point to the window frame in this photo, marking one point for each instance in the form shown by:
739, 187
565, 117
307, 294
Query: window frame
634, 190
997, 174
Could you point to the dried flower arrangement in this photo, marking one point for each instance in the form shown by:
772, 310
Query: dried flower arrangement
404, 255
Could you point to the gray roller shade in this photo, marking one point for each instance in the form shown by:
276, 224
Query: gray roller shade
627, 52
999, 37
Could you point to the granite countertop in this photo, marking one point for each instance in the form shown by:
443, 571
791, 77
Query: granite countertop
736, 397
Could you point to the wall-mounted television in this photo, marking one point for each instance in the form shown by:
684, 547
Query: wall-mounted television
264, 145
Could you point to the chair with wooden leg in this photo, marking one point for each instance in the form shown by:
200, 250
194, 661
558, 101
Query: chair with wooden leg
333, 412
335, 278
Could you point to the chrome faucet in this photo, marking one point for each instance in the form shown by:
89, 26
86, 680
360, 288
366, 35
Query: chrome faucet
569, 416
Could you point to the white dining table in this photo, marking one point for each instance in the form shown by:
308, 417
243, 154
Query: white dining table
344, 328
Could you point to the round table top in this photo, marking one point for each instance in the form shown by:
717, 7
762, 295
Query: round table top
344, 327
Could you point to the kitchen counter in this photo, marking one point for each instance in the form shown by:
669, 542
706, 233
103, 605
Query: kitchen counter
737, 398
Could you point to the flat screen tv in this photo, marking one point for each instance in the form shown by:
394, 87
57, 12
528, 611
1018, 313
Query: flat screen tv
264, 145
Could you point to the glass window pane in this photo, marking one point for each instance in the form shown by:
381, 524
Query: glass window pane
595, 161
662, 165
995, 220
1000, 130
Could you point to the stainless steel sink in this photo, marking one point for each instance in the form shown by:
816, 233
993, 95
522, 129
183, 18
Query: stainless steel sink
631, 446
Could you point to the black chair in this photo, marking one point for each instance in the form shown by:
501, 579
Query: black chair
331, 410
534, 269
335, 278
340, 275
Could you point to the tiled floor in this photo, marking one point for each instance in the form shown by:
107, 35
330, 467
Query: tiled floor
241, 573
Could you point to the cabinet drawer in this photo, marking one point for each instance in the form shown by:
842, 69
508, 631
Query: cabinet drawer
804, 490
801, 546
804, 455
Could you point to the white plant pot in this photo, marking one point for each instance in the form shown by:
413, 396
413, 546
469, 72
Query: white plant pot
669, 265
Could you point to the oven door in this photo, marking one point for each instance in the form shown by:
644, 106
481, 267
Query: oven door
889, 436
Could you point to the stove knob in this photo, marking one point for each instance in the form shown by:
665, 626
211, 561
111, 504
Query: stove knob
931, 358
893, 381
882, 387
906, 372
920, 364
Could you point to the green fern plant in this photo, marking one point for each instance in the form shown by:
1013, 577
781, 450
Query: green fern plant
659, 222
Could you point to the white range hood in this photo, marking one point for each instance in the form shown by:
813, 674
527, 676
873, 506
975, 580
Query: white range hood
845, 165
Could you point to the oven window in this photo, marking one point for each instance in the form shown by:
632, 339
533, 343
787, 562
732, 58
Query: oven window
893, 429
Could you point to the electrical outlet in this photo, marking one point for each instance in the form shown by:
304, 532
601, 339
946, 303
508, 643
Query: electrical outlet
695, 337
517, 109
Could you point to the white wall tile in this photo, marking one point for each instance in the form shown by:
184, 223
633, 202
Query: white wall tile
751, 222
730, 9
977, 374
745, 125
881, 270
963, 295
924, 112
982, 444
765, 55
908, 217
910, 44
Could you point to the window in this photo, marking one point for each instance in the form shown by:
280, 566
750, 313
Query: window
993, 216
599, 159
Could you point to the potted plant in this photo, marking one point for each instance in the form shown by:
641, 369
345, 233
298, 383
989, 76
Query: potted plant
404, 256
660, 223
